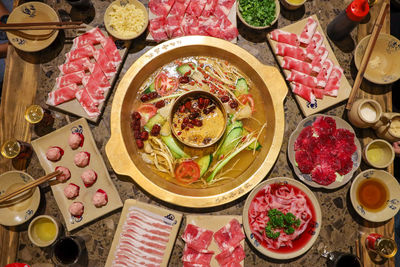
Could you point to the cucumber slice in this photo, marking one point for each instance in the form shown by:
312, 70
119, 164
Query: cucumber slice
253, 145
186, 69
173, 146
151, 88
204, 163
241, 87
156, 119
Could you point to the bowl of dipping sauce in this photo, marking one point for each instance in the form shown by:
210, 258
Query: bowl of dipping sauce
126, 19
292, 4
365, 113
375, 195
383, 67
43, 230
258, 15
378, 153
198, 119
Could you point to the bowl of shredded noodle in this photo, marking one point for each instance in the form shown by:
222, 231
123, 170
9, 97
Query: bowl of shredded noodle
126, 19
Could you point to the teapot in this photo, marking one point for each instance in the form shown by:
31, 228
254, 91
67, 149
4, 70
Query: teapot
388, 127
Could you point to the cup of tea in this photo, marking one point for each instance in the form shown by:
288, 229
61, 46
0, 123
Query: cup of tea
43, 230
67, 250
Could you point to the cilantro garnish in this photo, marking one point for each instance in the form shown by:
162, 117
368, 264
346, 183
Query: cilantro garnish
277, 220
257, 13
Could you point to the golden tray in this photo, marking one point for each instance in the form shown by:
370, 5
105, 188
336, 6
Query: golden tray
122, 151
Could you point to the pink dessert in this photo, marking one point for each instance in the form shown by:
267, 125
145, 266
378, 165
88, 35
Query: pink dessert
82, 159
100, 198
89, 177
76, 209
71, 191
65, 175
54, 153
75, 140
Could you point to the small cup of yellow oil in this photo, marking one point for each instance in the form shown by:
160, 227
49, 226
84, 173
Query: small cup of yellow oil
43, 230
378, 153
292, 4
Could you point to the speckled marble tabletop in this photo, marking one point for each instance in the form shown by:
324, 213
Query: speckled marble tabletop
340, 222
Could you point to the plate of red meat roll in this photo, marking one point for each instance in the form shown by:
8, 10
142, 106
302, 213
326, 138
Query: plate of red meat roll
145, 235
309, 64
324, 151
88, 74
282, 218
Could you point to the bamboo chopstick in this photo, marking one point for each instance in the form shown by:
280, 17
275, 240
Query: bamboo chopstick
367, 54
55, 23
29, 185
44, 27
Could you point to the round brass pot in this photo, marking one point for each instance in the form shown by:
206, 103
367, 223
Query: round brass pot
122, 151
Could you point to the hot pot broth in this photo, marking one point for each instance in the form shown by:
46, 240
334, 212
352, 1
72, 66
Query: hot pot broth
166, 156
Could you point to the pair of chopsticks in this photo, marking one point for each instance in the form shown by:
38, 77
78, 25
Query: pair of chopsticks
30, 185
367, 54
42, 26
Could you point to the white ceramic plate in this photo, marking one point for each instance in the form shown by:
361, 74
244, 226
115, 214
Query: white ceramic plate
21, 208
60, 138
170, 214
306, 178
313, 228
213, 223
392, 204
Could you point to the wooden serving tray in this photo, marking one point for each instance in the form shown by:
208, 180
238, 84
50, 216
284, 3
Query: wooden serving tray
60, 138
73, 106
214, 223
231, 17
157, 210
327, 101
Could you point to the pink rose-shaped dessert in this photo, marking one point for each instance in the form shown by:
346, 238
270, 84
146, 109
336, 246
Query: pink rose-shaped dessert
82, 159
54, 153
71, 191
89, 177
76, 209
75, 140
65, 175
100, 198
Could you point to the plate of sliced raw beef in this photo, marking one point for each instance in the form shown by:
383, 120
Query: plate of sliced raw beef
176, 18
324, 151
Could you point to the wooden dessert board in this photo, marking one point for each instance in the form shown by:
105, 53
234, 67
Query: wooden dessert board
73, 106
161, 211
327, 101
214, 223
60, 138
231, 17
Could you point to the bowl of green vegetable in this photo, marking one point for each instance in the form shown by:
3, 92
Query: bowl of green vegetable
258, 15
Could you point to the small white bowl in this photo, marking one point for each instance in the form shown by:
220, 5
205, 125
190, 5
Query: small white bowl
114, 32
392, 204
292, 6
277, 12
35, 239
21, 208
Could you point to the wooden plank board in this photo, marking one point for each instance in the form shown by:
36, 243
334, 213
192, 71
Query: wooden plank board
231, 16
73, 106
383, 95
327, 101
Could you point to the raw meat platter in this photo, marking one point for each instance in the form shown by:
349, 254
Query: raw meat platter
324, 151
88, 74
176, 18
221, 242
310, 66
145, 235
60, 139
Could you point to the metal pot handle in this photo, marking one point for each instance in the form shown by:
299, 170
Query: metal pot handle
115, 154
272, 76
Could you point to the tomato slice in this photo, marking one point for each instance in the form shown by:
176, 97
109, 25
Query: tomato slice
146, 111
187, 172
247, 98
165, 85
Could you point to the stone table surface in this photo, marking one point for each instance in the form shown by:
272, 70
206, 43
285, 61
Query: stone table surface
340, 222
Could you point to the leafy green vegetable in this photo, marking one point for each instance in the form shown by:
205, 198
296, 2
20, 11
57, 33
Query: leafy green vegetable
278, 220
257, 12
